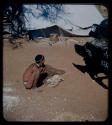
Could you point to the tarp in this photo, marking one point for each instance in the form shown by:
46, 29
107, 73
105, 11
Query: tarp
46, 32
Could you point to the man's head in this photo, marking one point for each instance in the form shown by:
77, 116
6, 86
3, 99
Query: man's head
40, 59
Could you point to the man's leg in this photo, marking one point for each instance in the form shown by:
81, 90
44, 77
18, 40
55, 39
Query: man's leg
36, 78
32, 80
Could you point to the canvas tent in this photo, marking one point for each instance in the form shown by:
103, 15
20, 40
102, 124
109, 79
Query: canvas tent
46, 32
68, 23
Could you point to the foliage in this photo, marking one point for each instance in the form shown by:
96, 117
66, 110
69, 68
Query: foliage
15, 15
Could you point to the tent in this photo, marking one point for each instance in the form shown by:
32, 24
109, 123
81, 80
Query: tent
73, 21
46, 32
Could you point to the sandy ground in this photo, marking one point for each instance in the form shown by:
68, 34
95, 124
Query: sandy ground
77, 98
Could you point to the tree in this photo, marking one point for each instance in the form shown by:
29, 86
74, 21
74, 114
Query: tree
15, 15
50, 11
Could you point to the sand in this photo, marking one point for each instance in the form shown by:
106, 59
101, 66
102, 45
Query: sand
77, 98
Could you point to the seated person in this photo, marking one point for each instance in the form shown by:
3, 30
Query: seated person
32, 73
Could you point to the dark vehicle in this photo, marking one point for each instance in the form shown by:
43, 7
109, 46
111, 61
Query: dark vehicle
95, 53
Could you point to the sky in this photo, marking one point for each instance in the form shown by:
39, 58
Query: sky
73, 16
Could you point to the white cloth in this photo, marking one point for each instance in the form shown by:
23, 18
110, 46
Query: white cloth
55, 80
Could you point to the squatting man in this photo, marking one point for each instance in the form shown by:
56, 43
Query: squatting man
32, 73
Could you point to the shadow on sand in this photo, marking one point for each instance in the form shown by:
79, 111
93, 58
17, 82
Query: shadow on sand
93, 75
93, 54
41, 79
